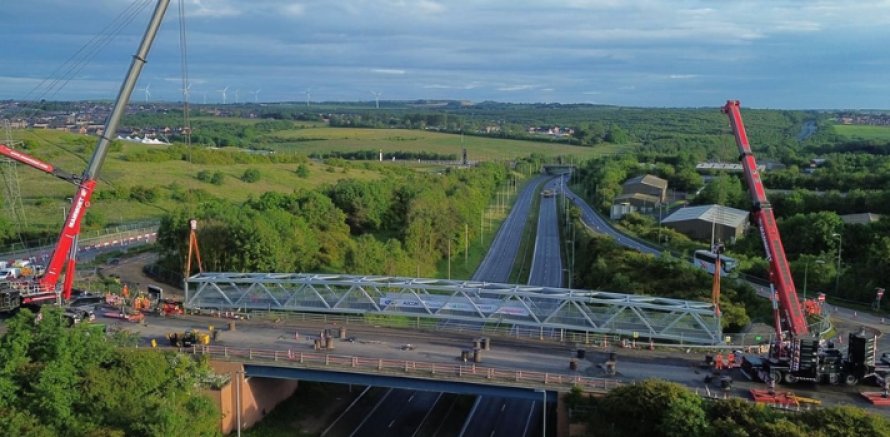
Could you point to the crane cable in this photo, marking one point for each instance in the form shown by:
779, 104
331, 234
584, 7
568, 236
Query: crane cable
63, 74
183, 58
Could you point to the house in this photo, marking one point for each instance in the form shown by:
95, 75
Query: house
701, 222
646, 184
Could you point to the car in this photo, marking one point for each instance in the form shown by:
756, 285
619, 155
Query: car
85, 305
77, 315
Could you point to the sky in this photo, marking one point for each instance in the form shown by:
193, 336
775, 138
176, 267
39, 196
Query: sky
806, 54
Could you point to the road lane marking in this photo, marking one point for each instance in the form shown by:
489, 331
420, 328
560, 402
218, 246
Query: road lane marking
360, 395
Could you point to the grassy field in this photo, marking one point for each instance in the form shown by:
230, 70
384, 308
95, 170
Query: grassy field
864, 132
314, 140
44, 197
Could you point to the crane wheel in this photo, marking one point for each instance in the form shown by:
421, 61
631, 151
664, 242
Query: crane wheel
851, 380
791, 378
834, 379
776, 375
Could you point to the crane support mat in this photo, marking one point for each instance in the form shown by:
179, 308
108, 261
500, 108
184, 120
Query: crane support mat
778, 398
876, 398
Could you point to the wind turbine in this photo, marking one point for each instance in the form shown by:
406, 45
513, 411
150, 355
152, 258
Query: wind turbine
147, 91
223, 92
236, 96
377, 95
187, 91
256, 95
308, 96
205, 97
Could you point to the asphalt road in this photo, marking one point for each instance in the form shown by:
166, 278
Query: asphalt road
498, 262
546, 267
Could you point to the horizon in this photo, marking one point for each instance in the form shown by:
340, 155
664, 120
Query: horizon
815, 55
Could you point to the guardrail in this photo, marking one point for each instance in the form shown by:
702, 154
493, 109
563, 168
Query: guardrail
119, 236
410, 369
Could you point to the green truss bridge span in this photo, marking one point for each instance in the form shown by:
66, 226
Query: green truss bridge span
519, 307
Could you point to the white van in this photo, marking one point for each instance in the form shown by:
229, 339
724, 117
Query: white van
9, 273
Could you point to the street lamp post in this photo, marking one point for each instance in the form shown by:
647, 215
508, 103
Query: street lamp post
837, 276
806, 270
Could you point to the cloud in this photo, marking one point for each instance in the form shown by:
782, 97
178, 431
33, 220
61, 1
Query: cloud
389, 71
294, 9
213, 8
682, 76
512, 88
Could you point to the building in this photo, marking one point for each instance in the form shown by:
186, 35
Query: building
860, 219
698, 222
635, 202
648, 185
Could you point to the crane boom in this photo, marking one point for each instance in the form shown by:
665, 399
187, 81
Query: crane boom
87, 182
779, 272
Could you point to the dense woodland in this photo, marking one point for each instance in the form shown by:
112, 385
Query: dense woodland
57, 380
401, 225
657, 408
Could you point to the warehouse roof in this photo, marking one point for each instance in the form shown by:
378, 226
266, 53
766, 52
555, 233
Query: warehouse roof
723, 215
648, 179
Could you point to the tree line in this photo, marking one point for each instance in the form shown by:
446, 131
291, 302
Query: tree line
401, 225
668, 409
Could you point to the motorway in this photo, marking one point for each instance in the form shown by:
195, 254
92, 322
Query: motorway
501, 256
546, 267
410, 412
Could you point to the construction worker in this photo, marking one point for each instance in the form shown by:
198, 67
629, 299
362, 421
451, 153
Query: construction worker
718, 361
730, 360
771, 385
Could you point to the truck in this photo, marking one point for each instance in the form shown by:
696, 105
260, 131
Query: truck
796, 354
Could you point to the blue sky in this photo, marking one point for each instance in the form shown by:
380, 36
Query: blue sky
768, 54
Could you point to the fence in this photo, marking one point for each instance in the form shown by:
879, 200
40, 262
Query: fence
117, 236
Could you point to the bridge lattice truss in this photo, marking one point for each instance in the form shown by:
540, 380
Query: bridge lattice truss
492, 304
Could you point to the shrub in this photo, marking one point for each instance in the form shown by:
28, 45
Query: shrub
250, 175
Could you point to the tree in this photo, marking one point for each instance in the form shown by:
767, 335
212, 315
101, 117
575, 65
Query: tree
71, 381
723, 190
302, 171
250, 175
669, 409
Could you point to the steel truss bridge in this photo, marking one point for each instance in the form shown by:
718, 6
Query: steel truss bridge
474, 302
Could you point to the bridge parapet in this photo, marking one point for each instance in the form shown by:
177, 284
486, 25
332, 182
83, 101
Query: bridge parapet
409, 369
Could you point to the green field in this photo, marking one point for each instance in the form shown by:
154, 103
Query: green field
44, 197
863, 131
315, 140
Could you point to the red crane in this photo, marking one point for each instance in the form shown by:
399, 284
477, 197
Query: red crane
86, 183
789, 308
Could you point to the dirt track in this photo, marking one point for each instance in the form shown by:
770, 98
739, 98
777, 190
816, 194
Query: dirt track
129, 269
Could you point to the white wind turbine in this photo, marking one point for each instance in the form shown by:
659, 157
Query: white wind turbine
308, 96
256, 95
236, 96
377, 95
187, 91
223, 92
147, 92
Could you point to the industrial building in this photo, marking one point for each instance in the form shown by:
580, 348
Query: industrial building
700, 222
